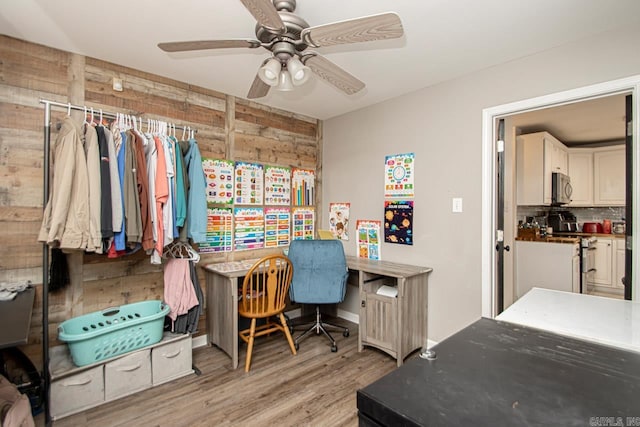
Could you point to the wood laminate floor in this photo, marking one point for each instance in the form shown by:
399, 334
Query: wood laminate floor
314, 388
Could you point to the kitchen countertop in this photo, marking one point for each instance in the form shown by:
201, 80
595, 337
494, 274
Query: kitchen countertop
601, 320
603, 235
550, 239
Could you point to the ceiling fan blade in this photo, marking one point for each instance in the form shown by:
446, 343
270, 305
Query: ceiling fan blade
265, 13
208, 44
258, 88
368, 28
333, 74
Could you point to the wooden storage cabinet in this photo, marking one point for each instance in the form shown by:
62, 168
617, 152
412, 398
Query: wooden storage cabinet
581, 174
609, 177
609, 264
75, 389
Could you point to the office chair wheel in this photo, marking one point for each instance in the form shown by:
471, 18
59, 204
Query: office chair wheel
296, 346
345, 333
334, 348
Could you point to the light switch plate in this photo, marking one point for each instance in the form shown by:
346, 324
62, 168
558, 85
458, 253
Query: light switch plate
456, 204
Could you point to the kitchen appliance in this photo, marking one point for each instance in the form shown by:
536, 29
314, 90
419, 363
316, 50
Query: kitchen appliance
587, 260
592, 227
562, 221
561, 189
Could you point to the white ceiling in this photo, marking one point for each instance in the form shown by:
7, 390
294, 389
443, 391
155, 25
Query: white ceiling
444, 39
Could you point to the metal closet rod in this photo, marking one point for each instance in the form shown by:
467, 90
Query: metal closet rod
104, 113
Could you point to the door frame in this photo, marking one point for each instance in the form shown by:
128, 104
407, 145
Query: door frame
489, 116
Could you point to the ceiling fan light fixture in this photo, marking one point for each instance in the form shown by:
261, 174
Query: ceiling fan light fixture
299, 72
270, 71
285, 84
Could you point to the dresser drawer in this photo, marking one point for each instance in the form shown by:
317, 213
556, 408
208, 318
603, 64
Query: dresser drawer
171, 361
77, 392
127, 375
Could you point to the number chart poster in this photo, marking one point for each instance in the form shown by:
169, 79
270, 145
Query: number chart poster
277, 225
398, 221
219, 231
303, 187
339, 220
249, 183
303, 220
277, 186
398, 175
219, 175
249, 228
368, 239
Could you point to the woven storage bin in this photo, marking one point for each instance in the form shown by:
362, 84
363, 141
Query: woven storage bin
103, 334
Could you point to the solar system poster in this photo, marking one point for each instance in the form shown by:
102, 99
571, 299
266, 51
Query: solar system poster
398, 175
398, 222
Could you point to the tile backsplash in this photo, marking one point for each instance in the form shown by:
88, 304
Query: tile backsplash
590, 214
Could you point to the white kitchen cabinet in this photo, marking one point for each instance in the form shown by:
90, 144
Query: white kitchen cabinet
619, 263
537, 156
609, 176
548, 265
581, 174
603, 262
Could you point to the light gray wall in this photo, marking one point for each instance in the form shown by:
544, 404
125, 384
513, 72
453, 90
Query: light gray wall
442, 125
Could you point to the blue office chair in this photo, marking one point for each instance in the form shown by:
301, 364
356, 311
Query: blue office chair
319, 277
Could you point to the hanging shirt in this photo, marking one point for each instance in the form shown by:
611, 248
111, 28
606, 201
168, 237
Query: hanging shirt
162, 193
92, 153
106, 219
168, 216
197, 197
116, 190
133, 219
119, 238
180, 196
143, 191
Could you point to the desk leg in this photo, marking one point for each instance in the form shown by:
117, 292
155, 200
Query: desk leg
222, 314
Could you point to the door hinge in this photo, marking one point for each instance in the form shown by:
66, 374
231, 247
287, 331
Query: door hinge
500, 146
630, 127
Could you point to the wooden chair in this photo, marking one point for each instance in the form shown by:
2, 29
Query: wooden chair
263, 296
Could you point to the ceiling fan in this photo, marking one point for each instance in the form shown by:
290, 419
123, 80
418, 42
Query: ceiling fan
287, 37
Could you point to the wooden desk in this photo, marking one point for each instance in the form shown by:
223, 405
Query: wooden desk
501, 374
397, 326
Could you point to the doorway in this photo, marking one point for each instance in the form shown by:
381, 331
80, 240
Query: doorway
490, 297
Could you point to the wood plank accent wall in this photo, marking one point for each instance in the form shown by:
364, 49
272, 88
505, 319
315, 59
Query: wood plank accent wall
228, 127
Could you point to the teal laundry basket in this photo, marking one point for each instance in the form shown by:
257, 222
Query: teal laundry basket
103, 334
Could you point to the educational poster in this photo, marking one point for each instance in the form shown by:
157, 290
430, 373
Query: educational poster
219, 176
303, 183
398, 175
277, 185
249, 228
219, 231
339, 220
368, 239
398, 221
303, 220
277, 226
249, 183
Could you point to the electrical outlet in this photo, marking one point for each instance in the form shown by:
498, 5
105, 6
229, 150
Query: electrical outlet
456, 204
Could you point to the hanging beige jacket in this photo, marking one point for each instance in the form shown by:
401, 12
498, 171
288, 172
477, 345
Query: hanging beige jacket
66, 217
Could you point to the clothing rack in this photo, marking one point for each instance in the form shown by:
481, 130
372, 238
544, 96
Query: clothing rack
45, 249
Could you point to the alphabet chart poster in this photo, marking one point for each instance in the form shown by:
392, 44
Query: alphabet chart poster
303, 187
398, 175
398, 221
303, 220
249, 228
249, 183
339, 220
277, 186
219, 231
219, 175
277, 225
368, 238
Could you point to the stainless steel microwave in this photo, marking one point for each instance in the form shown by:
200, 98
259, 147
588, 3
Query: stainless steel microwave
561, 189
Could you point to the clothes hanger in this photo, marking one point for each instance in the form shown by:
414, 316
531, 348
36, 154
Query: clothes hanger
183, 131
68, 109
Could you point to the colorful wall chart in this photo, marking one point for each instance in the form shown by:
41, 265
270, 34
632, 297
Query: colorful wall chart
219, 231
303, 224
398, 221
277, 185
368, 238
219, 175
303, 187
339, 220
398, 175
249, 228
249, 183
277, 226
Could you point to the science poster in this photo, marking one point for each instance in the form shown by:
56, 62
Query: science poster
249, 183
368, 239
277, 185
303, 187
219, 176
303, 224
398, 221
339, 220
277, 226
219, 231
249, 228
398, 175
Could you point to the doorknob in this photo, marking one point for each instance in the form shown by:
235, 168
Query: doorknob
507, 248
